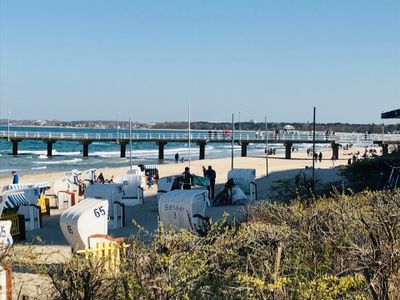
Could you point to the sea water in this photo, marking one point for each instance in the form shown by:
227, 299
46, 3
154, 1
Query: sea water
32, 155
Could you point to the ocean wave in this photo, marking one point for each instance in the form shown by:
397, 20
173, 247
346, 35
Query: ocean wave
42, 153
58, 162
39, 168
8, 170
105, 154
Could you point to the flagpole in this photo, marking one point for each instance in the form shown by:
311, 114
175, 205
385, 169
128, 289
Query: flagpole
313, 153
190, 156
266, 147
240, 130
232, 142
130, 143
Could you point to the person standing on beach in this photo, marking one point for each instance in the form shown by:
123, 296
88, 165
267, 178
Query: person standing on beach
176, 157
187, 179
204, 171
211, 175
320, 156
15, 177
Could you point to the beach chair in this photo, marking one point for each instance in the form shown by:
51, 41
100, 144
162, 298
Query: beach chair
167, 184
25, 202
183, 209
245, 179
65, 199
43, 187
131, 188
113, 193
79, 222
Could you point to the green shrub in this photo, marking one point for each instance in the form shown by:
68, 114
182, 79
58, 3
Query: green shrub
342, 247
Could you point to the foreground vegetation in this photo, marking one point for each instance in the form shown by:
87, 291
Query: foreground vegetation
343, 247
371, 173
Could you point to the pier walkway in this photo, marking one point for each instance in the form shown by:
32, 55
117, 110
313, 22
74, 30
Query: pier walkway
161, 139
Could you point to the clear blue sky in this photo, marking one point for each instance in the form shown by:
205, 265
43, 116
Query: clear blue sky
90, 59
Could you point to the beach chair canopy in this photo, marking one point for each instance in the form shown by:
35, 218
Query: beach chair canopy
14, 200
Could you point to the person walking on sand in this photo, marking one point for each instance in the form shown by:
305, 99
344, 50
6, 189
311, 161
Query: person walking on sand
15, 177
150, 181
176, 157
320, 156
211, 175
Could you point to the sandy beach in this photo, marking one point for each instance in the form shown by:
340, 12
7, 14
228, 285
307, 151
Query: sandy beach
52, 247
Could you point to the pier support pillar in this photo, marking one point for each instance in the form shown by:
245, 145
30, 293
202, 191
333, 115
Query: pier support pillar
288, 150
15, 147
123, 149
202, 153
385, 149
161, 146
335, 150
244, 148
49, 147
85, 152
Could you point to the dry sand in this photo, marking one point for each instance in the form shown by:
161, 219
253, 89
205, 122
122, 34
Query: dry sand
55, 249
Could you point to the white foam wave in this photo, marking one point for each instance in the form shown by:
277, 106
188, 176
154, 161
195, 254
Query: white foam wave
44, 153
39, 168
8, 170
58, 162
105, 154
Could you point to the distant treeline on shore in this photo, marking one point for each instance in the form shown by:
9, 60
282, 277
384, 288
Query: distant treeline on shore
247, 125
337, 127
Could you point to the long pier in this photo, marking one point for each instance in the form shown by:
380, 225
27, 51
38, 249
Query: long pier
201, 139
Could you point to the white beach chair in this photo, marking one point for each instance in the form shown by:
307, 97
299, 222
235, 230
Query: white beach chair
85, 219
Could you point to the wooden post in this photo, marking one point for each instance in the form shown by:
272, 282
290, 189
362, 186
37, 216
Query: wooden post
161, 145
15, 147
244, 148
288, 150
123, 149
202, 153
49, 147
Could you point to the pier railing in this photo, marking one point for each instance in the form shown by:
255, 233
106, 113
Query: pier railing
202, 136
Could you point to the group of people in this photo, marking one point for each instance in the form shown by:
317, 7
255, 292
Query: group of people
101, 179
177, 158
315, 155
208, 173
214, 134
